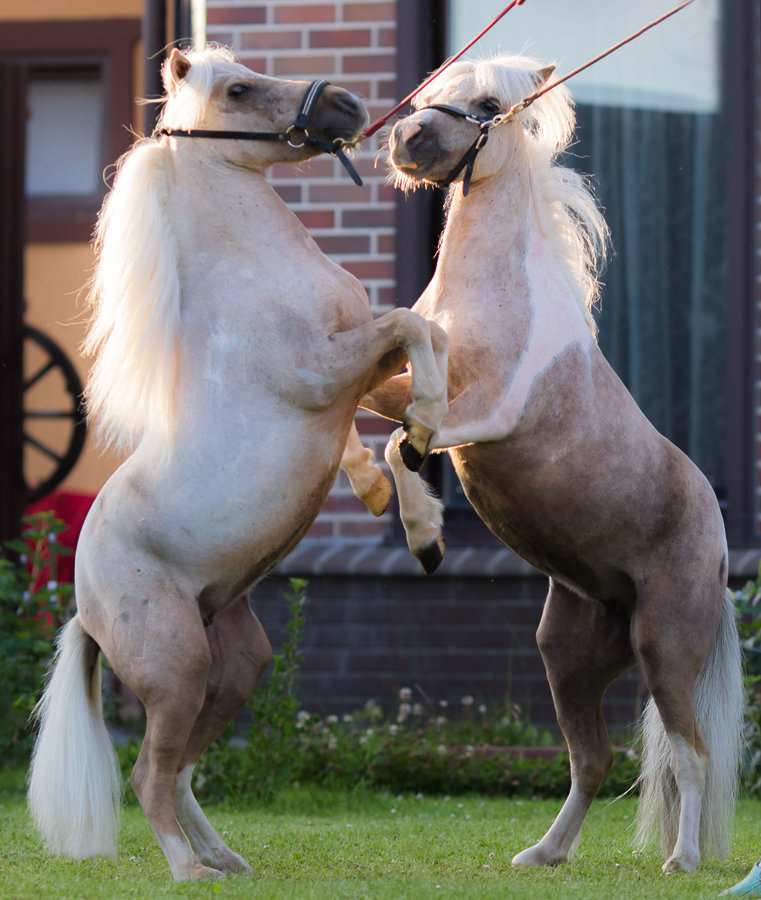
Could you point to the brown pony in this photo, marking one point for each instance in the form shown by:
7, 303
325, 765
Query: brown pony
559, 462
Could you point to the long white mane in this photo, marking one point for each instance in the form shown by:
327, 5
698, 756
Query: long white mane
134, 294
571, 217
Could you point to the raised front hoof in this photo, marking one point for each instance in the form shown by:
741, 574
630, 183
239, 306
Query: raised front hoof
683, 862
379, 496
413, 447
536, 856
430, 558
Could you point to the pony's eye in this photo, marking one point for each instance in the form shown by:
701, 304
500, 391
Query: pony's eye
489, 105
237, 91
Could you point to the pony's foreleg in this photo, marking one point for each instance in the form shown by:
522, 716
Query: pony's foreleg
356, 354
584, 646
367, 481
240, 652
420, 511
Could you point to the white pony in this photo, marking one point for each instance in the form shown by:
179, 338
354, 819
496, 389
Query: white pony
230, 354
562, 466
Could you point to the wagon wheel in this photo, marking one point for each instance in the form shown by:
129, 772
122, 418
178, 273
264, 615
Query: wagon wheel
54, 422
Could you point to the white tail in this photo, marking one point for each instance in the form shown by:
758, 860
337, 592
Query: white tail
719, 709
74, 782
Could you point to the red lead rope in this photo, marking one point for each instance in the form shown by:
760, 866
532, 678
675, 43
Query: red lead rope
379, 123
498, 120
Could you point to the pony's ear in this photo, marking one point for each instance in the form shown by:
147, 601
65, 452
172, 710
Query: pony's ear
543, 75
174, 70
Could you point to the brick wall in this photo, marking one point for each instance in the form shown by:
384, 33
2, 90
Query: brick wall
353, 44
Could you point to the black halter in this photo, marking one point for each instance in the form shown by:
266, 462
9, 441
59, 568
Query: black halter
468, 159
296, 135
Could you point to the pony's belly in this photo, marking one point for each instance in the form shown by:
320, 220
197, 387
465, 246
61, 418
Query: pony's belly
211, 529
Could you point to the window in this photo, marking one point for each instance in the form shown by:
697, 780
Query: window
79, 100
64, 132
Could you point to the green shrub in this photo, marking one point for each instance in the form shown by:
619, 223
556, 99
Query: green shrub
749, 611
32, 604
422, 746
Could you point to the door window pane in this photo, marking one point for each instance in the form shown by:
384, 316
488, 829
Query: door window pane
64, 133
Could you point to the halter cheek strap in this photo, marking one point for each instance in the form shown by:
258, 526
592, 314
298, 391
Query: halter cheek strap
468, 159
300, 124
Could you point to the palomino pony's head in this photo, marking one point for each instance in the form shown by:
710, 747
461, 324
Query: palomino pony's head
209, 90
429, 148
134, 293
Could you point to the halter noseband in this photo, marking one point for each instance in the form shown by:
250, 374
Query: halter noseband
288, 137
485, 124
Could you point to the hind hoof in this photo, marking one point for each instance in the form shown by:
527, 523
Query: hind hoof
430, 558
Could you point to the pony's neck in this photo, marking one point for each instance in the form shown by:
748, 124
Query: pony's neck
487, 230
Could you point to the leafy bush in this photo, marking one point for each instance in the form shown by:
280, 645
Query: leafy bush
421, 747
749, 611
32, 604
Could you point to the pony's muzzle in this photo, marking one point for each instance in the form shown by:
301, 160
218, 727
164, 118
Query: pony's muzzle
339, 115
413, 145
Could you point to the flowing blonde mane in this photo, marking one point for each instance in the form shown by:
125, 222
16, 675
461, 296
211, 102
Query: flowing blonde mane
570, 215
134, 293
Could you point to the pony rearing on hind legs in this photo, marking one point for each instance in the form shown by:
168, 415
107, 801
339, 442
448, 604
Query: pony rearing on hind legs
230, 355
559, 462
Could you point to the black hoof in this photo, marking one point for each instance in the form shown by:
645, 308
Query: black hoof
431, 557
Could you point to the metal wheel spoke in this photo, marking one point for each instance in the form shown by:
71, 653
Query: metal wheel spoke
40, 374
43, 448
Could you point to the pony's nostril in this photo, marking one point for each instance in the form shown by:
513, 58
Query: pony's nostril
410, 133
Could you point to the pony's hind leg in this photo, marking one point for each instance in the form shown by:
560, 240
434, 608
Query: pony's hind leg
691, 728
158, 647
240, 652
584, 645
419, 510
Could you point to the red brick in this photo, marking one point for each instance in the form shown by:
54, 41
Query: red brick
339, 193
337, 37
256, 63
370, 12
270, 40
367, 218
386, 295
387, 37
236, 15
386, 89
386, 243
294, 66
340, 245
381, 62
317, 218
225, 38
374, 269
288, 193
297, 15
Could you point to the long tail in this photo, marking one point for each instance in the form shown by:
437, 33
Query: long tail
719, 709
74, 784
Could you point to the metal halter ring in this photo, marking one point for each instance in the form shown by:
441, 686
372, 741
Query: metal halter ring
288, 136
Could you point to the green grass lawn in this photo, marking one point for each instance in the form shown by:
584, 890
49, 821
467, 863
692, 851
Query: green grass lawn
317, 844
